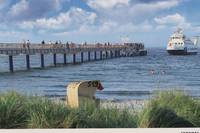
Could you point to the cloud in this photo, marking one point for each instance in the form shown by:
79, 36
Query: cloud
19, 8
107, 26
14, 36
107, 29
106, 4
173, 20
170, 19
94, 20
70, 20
130, 10
3, 4
153, 6
32, 9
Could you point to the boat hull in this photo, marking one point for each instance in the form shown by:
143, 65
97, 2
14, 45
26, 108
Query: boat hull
181, 52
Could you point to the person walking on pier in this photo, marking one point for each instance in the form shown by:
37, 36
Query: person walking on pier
67, 45
56, 42
55, 45
23, 44
28, 44
43, 42
50, 42
60, 44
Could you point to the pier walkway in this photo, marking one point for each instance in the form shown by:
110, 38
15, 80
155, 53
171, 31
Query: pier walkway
104, 50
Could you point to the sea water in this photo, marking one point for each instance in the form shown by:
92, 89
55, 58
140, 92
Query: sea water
122, 78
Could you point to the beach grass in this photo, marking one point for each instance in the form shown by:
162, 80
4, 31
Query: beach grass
166, 109
92, 117
13, 112
184, 109
44, 113
19, 111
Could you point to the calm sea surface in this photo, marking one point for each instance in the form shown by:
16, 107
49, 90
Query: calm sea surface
122, 78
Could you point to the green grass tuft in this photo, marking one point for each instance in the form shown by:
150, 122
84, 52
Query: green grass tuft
44, 113
13, 112
167, 109
156, 116
18, 111
91, 117
185, 107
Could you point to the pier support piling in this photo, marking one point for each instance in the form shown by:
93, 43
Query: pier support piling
111, 54
42, 60
54, 59
65, 58
82, 56
95, 55
28, 61
89, 56
11, 63
115, 54
74, 58
119, 55
101, 55
106, 54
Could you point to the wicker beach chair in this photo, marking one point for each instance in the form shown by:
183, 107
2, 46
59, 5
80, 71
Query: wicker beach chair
81, 92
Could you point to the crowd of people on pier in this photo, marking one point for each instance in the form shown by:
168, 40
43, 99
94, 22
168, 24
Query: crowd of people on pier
71, 45
26, 44
136, 46
50, 44
59, 44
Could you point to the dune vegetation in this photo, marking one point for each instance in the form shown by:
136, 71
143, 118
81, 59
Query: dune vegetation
18, 111
178, 103
166, 109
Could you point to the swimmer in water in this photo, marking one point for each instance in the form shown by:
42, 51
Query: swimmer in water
163, 72
152, 71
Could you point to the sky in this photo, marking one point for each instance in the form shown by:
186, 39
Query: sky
116, 21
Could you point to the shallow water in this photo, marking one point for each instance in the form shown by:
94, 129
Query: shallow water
122, 78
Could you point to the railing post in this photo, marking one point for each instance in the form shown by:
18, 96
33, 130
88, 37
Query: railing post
27, 61
42, 60
11, 63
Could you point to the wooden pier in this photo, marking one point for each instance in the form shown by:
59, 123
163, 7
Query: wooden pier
110, 50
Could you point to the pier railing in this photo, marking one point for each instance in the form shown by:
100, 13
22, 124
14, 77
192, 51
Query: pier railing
15, 49
46, 46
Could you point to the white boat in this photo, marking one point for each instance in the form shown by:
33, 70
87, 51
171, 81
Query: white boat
180, 45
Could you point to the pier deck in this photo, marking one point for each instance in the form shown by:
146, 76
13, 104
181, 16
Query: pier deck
110, 50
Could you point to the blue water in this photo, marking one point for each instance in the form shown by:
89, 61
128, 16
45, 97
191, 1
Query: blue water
122, 78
